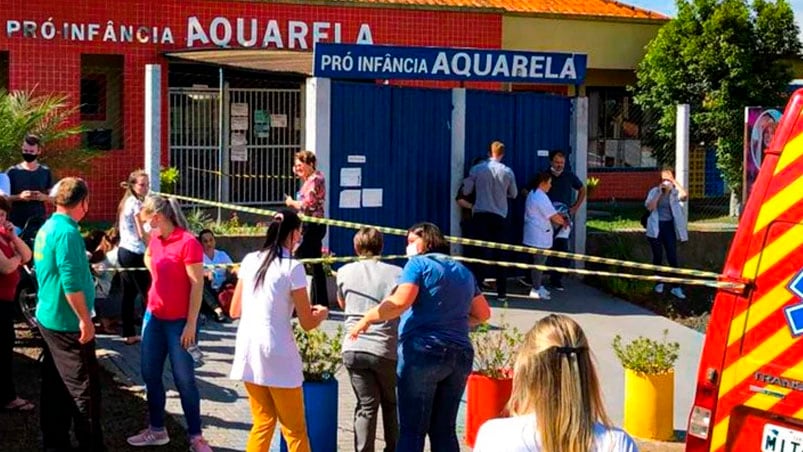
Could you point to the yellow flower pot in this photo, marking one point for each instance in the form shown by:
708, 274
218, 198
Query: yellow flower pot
649, 404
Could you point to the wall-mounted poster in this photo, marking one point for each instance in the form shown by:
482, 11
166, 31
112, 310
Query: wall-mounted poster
760, 124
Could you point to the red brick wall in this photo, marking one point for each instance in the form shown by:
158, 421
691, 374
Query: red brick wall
54, 65
623, 185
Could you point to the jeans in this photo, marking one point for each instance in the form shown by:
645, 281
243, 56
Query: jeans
492, 228
556, 278
134, 283
310, 248
432, 378
162, 339
667, 240
373, 379
70, 393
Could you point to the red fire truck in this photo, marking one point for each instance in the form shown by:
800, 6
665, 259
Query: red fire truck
749, 394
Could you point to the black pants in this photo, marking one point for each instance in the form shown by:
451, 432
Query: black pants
667, 240
310, 248
373, 379
492, 228
556, 278
134, 283
70, 393
209, 299
7, 337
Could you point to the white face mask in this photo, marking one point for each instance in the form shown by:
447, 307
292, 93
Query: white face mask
556, 172
412, 250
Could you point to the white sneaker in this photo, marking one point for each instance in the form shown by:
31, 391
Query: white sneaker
678, 292
540, 294
659, 288
149, 437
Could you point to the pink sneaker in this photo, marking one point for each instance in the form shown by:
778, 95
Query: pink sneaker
199, 444
149, 437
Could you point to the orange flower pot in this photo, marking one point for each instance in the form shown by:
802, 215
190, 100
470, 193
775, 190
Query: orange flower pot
487, 398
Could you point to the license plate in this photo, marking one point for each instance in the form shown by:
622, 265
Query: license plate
781, 439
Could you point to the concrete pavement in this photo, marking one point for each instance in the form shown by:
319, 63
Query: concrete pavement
225, 409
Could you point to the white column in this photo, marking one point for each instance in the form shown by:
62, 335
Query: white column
578, 139
317, 123
153, 123
682, 150
458, 126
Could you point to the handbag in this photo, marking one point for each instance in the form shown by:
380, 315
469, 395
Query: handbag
644, 217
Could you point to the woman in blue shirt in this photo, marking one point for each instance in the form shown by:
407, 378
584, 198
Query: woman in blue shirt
438, 301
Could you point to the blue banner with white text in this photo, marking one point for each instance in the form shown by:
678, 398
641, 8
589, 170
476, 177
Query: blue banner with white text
361, 61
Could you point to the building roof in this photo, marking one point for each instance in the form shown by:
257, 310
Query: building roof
592, 8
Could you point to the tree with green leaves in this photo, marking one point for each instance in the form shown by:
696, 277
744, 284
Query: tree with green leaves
50, 116
718, 56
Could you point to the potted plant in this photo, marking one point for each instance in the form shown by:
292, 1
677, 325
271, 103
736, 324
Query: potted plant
321, 358
491, 381
649, 386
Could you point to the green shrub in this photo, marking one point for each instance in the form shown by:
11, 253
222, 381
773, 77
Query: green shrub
495, 349
647, 356
168, 179
320, 352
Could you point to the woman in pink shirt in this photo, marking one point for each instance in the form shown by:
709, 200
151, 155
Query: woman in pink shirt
310, 202
175, 260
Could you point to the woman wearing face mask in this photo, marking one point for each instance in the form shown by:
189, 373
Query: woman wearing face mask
310, 202
438, 301
131, 252
556, 403
666, 223
175, 260
272, 284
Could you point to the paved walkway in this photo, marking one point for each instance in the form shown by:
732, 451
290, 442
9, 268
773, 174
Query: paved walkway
225, 409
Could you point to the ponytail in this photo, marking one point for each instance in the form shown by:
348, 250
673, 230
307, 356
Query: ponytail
167, 207
283, 224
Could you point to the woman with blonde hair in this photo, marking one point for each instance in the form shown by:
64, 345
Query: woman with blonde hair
169, 329
131, 252
556, 405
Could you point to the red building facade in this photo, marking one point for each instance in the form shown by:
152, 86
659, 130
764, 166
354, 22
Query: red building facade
102, 47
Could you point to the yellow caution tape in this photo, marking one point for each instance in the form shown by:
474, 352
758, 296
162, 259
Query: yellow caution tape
464, 241
242, 176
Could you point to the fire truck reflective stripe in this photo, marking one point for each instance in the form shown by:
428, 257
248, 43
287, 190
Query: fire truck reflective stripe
766, 305
764, 353
758, 401
788, 242
778, 204
791, 152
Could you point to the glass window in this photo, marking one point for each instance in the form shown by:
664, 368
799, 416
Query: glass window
615, 130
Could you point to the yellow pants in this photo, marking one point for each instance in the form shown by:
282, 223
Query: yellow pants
269, 404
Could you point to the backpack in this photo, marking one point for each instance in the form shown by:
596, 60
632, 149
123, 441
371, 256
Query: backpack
644, 217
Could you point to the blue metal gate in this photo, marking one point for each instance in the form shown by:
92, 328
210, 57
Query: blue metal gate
526, 123
404, 136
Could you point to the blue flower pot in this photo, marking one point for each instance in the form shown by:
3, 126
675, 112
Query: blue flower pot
320, 412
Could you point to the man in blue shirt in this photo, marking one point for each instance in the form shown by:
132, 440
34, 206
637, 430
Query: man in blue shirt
493, 184
564, 184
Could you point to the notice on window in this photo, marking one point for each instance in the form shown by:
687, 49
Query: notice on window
239, 123
372, 197
351, 177
239, 109
239, 147
355, 159
350, 199
261, 123
278, 121
239, 153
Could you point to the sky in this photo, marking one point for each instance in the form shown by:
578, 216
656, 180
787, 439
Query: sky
668, 7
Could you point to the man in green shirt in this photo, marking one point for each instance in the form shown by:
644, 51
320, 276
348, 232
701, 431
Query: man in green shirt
70, 374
